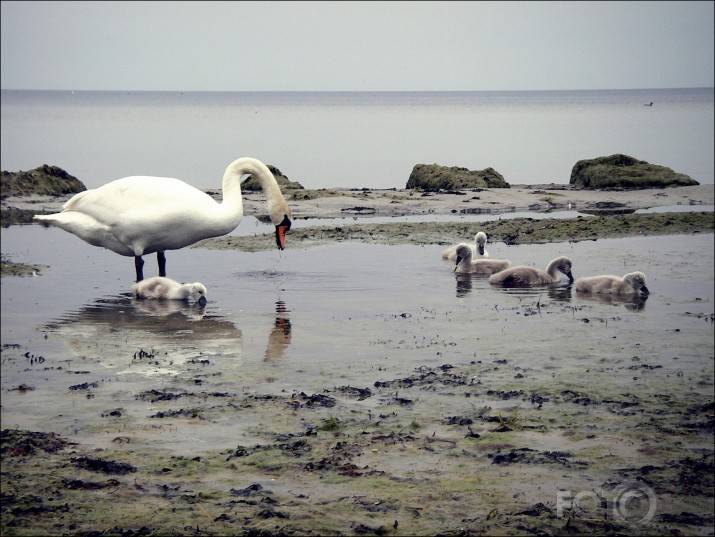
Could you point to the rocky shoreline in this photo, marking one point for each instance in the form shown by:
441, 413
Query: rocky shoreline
607, 213
509, 231
533, 198
333, 203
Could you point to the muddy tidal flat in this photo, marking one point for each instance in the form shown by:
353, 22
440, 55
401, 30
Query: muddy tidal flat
354, 385
334, 203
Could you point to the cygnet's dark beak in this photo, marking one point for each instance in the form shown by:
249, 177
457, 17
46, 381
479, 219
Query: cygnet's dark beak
281, 230
459, 259
645, 291
481, 249
569, 276
202, 301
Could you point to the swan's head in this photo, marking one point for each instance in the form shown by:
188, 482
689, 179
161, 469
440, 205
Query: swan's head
637, 281
197, 292
278, 209
481, 240
281, 230
281, 217
563, 265
463, 252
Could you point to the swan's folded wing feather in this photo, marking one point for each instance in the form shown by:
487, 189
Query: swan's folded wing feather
525, 275
138, 211
136, 193
605, 284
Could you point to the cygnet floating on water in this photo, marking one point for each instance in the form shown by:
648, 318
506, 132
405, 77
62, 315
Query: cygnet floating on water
478, 251
485, 267
161, 287
523, 276
633, 283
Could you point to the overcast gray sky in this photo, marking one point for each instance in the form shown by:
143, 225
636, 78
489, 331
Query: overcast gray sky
331, 46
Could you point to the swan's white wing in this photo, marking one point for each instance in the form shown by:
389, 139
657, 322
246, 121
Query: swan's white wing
137, 193
138, 215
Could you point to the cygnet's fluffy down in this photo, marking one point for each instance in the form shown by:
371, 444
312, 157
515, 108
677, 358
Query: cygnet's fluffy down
161, 287
484, 267
633, 283
523, 276
478, 251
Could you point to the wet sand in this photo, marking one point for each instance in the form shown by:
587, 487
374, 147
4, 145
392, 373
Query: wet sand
322, 428
332, 203
494, 201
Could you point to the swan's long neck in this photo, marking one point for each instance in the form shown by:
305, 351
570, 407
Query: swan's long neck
233, 196
231, 186
554, 268
464, 258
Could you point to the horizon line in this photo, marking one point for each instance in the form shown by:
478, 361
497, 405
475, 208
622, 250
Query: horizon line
358, 91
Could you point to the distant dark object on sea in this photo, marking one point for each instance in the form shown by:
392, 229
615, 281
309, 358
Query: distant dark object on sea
431, 177
622, 171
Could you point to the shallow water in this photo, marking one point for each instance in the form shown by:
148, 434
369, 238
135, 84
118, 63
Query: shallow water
345, 314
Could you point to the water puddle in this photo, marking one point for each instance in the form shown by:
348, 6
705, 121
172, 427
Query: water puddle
77, 347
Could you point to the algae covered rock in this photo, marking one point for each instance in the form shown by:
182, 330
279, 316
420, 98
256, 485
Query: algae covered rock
251, 184
622, 171
436, 177
42, 181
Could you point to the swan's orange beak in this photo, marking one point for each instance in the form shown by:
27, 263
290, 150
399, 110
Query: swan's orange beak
281, 230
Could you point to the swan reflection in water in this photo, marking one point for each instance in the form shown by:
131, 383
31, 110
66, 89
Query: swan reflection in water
630, 302
465, 281
280, 336
114, 328
169, 308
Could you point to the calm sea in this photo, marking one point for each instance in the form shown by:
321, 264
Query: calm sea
353, 139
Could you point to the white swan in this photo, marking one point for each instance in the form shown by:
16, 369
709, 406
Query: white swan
478, 251
484, 267
141, 215
522, 276
632, 283
160, 287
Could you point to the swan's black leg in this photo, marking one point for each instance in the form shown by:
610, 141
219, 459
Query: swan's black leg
161, 259
138, 265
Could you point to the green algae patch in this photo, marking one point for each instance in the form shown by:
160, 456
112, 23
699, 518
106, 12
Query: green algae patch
43, 180
511, 231
349, 461
10, 268
623, 171
433, 177
251, 184
310, 194
14, 216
